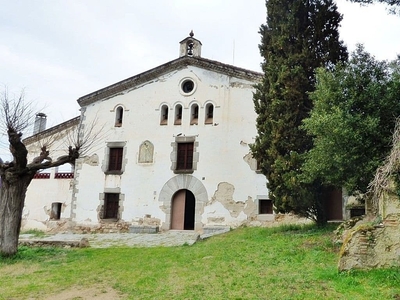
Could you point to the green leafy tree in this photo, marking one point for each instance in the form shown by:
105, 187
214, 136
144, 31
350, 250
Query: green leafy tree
352, 122
298, 37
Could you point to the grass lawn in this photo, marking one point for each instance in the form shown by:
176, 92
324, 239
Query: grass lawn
247, 263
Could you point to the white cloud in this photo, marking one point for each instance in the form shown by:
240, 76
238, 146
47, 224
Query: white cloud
61, 50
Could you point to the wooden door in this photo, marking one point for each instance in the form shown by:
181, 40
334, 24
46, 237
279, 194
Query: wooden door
178, 210
334, 211
183, 210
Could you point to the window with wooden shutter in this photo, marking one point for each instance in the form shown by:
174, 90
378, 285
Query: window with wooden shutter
115, 159
184, 156
111, 206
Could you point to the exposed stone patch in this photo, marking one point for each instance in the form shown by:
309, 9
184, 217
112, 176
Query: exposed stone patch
104, 227
216, 220
252, 162
250, 209
369, 246
92, 160
59, 225
147, 220
224, 195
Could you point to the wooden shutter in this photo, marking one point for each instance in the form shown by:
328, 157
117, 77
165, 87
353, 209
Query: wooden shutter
185, 156
111, 205
115, 159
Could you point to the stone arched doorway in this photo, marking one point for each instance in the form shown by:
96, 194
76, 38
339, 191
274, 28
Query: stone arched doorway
183, 205
176, 184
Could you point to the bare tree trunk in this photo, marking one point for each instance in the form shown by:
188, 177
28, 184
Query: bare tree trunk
12, 199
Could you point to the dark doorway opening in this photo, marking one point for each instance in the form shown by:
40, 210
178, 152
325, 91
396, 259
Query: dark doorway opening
55, 213
190, 204
333, 204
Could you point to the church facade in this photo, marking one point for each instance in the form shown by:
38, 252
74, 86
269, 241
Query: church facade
172, 153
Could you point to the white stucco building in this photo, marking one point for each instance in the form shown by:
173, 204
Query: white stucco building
173, 152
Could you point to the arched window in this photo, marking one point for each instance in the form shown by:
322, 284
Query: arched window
194, 114
164, 115
209, 114
119, 113
178, 115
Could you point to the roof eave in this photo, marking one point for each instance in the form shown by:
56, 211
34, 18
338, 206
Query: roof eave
176, 64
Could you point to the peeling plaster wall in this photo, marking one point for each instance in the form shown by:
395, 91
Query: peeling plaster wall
222, 146
224, 209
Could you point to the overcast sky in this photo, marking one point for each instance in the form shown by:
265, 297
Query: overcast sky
60, 50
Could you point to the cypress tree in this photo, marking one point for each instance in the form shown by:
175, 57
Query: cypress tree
298, 37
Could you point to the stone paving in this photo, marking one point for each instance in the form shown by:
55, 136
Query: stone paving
104, 240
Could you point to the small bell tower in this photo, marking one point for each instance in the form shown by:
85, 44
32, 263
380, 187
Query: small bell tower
190, 46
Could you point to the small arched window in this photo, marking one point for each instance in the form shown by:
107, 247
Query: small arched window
178, 115
119, 113
164, 115
209, 114
194, 114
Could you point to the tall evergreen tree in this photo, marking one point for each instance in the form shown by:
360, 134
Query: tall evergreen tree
298, 37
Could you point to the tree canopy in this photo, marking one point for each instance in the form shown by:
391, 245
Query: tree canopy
352, 122
298, 37
393, 4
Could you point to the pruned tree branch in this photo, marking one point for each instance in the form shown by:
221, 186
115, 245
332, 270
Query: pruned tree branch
16, 113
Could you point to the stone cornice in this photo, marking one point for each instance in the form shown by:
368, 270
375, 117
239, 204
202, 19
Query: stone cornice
176, 64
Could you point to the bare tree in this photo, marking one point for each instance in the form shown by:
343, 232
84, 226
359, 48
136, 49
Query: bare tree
16, 175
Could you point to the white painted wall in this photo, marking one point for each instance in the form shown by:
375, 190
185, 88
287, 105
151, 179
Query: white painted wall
42, 193
222, 146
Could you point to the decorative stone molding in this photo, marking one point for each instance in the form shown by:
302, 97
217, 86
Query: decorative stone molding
180, 182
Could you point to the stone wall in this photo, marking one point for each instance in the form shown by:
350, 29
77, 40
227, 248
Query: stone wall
372, 246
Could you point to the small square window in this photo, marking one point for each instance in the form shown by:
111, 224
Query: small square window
55, 213
265, 207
